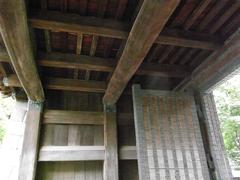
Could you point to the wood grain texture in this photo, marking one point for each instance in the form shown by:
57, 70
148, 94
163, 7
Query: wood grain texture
28, 161
110, 170
138, 44
57, 21
225, 60
62, 84
72, 117
16, 36
169, 142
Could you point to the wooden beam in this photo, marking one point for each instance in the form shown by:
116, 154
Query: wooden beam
71, 153
29, 154
72, 61
62, 84
57, 21
82, 153
138, 44
215, 68
15, 33
51, 116
110, 142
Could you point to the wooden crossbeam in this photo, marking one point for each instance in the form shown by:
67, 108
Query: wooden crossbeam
62, 84
71, 153
138, 44
82, 153
216, 67
57, 21
51, 116
72, 61
15, 33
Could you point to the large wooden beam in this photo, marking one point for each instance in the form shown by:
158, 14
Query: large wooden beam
57, 21
149, 23
15, 33
62, 84
72, 61
29, 155
215, 68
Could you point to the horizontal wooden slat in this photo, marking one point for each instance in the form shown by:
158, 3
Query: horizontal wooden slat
62, 84
57, 21
71, 153
128, 153
72, 61
72, 117
82, 153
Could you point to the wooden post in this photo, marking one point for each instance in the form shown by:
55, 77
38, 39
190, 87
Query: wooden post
28, 160
110, 142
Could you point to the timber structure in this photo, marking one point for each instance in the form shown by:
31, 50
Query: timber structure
119, 89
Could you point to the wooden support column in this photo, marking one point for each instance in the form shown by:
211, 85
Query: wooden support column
16, 36
110, 142
29, 155
149, 23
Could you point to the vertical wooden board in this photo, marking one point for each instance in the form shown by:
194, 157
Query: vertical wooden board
169, 142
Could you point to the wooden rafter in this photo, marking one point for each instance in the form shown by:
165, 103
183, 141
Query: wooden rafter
15, 33
138, 44
58, 21
62, 84
217, 66
82, 62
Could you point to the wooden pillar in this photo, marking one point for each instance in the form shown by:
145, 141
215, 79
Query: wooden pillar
110, 142
213, 141
29, 155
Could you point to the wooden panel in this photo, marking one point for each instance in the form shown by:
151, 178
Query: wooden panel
169, 142
72, 117
91, 170
29, 154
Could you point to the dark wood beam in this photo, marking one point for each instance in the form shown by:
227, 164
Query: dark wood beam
62, 84
51, 116
215, 68
152, 18
16, 36
72, 61
57, 21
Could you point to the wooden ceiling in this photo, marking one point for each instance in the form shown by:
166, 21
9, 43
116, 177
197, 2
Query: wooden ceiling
84, 39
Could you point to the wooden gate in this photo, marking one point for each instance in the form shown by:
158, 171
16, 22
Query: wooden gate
169, 142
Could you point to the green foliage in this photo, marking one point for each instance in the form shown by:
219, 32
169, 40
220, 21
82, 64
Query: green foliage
2, 132
227, 97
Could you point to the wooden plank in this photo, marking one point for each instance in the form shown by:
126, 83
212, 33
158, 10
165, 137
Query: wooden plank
82, 153
62, 84
29, 154
72, 117
215, 68
16, 36
138, 44
110, 142
71, 153
58, 21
